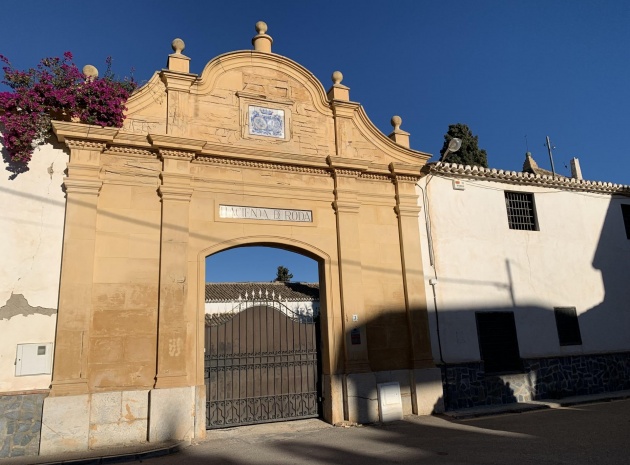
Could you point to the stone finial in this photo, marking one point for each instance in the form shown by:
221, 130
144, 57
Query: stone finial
90, 72
338, 91
177, 61
261, 41
261, 27
178, 46
396, 122
398, 135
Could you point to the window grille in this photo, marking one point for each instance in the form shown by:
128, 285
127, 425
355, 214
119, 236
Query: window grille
625, 212
568, 326
520, 211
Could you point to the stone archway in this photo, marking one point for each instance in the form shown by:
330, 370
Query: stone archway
331, 337
253, 150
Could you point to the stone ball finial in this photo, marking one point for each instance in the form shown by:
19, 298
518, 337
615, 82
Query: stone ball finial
90, 71
261, 27
178, 45
337, 77
396, 122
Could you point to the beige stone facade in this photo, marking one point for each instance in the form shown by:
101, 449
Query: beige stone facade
144, 211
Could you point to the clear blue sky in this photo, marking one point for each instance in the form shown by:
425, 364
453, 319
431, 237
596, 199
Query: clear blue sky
508, 69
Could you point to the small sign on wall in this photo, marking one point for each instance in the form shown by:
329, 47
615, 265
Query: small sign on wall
458, 185
33, 359
355, 336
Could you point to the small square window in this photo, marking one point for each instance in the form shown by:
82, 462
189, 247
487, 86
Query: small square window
568, 326
520, 211
625, 211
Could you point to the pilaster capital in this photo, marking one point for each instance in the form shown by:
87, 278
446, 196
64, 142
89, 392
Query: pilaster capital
82, 186
178, 80
410, 211
346, 206
177, 193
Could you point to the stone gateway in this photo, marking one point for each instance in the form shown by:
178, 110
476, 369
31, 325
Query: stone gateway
253, 151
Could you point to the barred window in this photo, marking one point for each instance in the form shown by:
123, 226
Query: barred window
520, 211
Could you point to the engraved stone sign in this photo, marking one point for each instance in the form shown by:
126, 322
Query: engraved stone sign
268, 214
266, 122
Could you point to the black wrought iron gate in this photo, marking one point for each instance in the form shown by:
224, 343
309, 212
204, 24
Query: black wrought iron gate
260, 365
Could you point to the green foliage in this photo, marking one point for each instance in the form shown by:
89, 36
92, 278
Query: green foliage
283, 275
469, 153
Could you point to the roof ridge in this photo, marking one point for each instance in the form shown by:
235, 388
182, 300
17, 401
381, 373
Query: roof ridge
559, 181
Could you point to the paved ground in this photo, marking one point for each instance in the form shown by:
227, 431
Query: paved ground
583, 434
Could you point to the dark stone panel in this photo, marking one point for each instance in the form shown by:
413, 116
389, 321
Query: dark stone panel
20, 424
467, 385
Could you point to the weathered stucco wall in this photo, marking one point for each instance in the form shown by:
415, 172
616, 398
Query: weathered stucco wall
31, 230
577, 258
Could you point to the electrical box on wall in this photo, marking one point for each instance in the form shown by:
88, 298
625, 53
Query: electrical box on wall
389, 402
33, 359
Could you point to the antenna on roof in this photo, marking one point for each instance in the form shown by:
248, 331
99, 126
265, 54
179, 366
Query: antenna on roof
549, 147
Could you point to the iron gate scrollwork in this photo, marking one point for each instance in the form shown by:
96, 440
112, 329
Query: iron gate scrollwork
260, 364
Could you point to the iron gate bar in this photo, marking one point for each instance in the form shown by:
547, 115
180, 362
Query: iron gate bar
260, 365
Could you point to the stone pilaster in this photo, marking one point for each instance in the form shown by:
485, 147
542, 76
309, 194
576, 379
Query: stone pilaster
70, 374
346, 204
407, 209
173, 334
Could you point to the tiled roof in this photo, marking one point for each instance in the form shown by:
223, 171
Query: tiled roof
530, 179
293, 292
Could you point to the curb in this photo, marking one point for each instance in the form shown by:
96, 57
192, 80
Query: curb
99, 457
521, 407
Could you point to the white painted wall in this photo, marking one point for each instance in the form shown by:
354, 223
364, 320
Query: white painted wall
580, 257
31, 232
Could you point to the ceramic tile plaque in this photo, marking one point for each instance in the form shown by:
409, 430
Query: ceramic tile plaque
266, 122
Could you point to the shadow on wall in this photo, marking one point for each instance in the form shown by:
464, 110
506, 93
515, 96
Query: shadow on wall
596, 361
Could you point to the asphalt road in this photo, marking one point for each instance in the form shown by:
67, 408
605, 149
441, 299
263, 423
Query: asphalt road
584, 434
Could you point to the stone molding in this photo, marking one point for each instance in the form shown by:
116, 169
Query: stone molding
176, 154
131, 151
85, 144
259, 164
526, 179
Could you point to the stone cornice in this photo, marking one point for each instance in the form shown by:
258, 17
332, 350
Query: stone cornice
526, 179
163, 141
65, 129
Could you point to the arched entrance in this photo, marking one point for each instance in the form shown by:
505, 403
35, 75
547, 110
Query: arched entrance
262, 338
262, 345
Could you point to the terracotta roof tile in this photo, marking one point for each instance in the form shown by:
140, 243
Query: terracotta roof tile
293, 292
